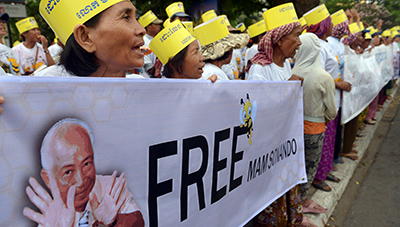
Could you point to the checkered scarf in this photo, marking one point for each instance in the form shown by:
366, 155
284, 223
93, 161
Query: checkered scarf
265, 47
321, 28
350, 39
341, 29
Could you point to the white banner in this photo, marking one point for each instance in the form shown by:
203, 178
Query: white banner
194, 153
368, 73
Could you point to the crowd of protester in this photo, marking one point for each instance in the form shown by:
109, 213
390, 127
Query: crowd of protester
114, 42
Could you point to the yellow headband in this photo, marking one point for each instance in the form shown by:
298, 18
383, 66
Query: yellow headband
368, 36
257, 29
208, 15
394, 33
64, 15
147, 18
26, 24
338, 17
176, 7
241, 27
211, 31
170, 41
279, 16
316, 15
189, 26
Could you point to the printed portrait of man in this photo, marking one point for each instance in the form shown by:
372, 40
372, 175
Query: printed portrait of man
78, 197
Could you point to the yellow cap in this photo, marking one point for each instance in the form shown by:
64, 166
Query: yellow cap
386, 33
362, 26
354, 28
394, 33
211, 31
208, 15
63, 16
302, 21
170, 41
147, 18
166, 23
26, 24
338, 17
241, 27
395, 28
368, 35
257, 29
16, 43
227, 20
316, 15
189, 26
279, 16
176, 7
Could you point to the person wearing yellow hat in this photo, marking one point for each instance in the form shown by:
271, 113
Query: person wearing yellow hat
32, 54
217, 48
101, 43
179, 51
153, 26
176, 11
270, 64
9, 60
256, 32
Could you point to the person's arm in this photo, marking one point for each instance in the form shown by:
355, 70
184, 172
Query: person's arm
45, 44
1, 102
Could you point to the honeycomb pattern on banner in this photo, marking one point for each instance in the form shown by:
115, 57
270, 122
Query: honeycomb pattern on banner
14, 171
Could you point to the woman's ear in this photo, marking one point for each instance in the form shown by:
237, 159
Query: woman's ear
279, 42
83, 38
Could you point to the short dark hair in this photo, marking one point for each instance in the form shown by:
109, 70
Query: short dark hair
175, 63
77, 60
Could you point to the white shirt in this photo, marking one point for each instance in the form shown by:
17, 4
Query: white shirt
60, 71
250, 53
232, 69
149, 59
55, 52
27, 56
330, 62
210, 69
270, 72
10, 59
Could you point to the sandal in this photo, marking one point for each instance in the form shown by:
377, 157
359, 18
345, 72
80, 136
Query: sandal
370, 122
339, 160
332, 178
351, 156
334, 168
322, 186
354, 151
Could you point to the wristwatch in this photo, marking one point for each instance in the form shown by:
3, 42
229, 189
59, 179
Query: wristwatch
46, 51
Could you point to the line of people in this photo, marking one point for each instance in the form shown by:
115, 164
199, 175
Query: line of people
111, 42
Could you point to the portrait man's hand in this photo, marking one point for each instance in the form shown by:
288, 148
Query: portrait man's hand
53, 211
106, 211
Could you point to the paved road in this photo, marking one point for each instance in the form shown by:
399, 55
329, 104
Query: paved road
372, 197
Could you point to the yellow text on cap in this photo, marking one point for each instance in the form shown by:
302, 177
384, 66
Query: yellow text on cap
256, 29
279, 16
147, 18
338, 17
211, 31
170, 41
208, 15
176, 7
316, 15
26, 24
64, 15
